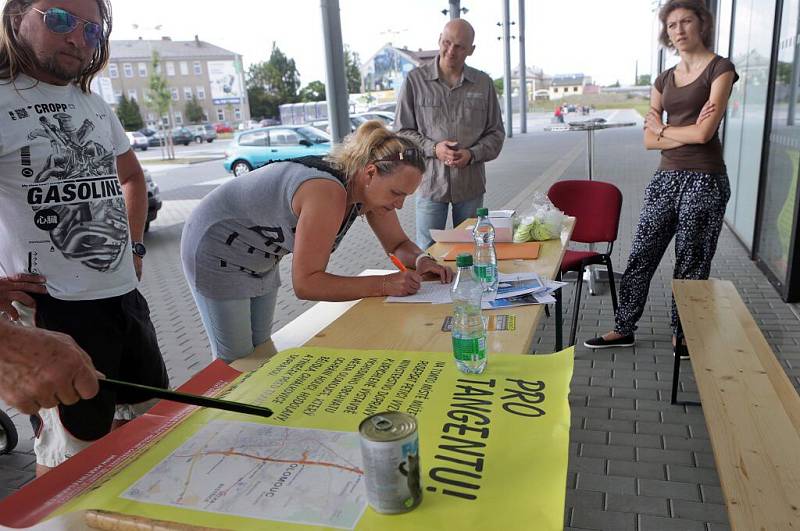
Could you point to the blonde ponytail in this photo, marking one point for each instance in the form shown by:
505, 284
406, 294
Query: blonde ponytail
370, 142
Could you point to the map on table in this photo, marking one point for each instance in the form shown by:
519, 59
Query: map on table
296, 475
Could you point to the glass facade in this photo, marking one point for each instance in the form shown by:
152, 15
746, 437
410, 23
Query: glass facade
779, 188
761, 133
751, 49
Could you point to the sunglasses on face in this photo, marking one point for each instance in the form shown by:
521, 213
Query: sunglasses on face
409, 155
61, 21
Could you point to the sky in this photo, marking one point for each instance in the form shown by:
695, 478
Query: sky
603, 39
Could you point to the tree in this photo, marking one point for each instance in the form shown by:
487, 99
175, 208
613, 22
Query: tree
644, 79
161, 100
194, 111
314, 91
352, 70
129, 115
272, 83
498, 86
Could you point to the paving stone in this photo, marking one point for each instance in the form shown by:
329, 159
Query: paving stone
708, 512
669, 489
626, 503
593, 465
679, 457
637, 469
712, 494
706, 476
608, 451
659, 523
593, 519
641, 440
604, 483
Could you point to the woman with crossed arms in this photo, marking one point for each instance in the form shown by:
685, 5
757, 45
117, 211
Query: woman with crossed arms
688, 193
233, 241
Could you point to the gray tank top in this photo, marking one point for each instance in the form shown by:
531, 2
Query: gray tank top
234, 239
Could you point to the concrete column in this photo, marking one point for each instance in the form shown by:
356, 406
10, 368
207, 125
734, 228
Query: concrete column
507, 65
336, 87
455, 9
523, 82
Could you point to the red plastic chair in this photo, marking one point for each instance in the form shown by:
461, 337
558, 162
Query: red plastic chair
596, 207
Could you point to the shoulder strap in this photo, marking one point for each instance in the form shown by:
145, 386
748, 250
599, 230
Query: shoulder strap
318, 163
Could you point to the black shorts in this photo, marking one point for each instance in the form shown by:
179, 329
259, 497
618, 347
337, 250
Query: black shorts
119, 337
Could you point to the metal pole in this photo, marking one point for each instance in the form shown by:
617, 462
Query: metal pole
523, 82
338, 107
795, 81
507, 64
455, 9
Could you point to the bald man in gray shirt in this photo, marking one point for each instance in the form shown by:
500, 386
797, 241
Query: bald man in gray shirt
453, 111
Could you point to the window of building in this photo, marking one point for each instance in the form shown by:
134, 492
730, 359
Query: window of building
127, 68
198, 69
574, 89
158, 68
165, 120
220, 114
142, 69
205, 116
201, 93
184, 66
187, 93
178, 118
175, 96
151, 117
117, 95
555, 89
170, 68
113, 72
132, 95
237, 113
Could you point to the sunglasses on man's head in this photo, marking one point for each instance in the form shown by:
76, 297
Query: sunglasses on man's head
410, 155
60, 20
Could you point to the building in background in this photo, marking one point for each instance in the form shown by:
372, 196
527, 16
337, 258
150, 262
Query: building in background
761, 131
562, 85
191, 68
536, 80
387, 68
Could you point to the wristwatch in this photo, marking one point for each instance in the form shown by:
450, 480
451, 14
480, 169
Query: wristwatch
139, 249
420, 257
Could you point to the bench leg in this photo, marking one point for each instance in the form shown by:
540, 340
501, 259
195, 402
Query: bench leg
676, 371
559, 322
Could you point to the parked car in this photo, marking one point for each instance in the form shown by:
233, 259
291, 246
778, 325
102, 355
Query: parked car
383, 116
390, 107
180, 135
248, 124
203, 133
148, 131
154, 202
254, 148
267, 122
137, 140
223, 127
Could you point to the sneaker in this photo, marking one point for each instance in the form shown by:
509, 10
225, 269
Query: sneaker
599, 342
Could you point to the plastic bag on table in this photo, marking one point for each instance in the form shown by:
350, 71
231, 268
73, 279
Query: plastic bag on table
542, 222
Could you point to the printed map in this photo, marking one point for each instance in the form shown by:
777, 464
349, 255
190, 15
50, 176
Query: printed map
296, 475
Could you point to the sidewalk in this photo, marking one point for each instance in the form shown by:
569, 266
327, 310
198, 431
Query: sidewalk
636, 463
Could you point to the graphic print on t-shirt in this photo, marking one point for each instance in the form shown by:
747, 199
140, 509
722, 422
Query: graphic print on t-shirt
75, 194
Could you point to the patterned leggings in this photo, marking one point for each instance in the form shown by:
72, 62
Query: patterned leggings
689, 205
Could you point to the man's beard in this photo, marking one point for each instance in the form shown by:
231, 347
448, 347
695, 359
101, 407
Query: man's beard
51, 65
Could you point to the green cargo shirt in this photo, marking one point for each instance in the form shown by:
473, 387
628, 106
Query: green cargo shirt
469, 113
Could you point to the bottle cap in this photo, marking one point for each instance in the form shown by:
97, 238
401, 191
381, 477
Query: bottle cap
464, 260
483, 211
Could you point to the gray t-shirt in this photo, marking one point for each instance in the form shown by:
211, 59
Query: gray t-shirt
234, 239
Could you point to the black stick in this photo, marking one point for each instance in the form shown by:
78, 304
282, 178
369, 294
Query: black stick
185, 398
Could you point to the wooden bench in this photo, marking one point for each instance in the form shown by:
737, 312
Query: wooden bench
751, 409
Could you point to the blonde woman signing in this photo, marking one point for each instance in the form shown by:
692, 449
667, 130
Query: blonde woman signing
687, 196
234, 239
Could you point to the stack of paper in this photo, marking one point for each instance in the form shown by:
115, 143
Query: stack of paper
514, 289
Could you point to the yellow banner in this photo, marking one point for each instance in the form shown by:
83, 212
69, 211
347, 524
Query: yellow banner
493, 447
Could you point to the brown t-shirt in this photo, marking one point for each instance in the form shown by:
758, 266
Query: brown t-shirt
683, 106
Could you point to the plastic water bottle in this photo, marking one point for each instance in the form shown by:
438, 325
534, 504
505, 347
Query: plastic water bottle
485, 255
469, 333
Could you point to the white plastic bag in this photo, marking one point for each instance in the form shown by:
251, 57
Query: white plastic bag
542, 222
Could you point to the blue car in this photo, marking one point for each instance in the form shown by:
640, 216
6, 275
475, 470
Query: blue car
256, 147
